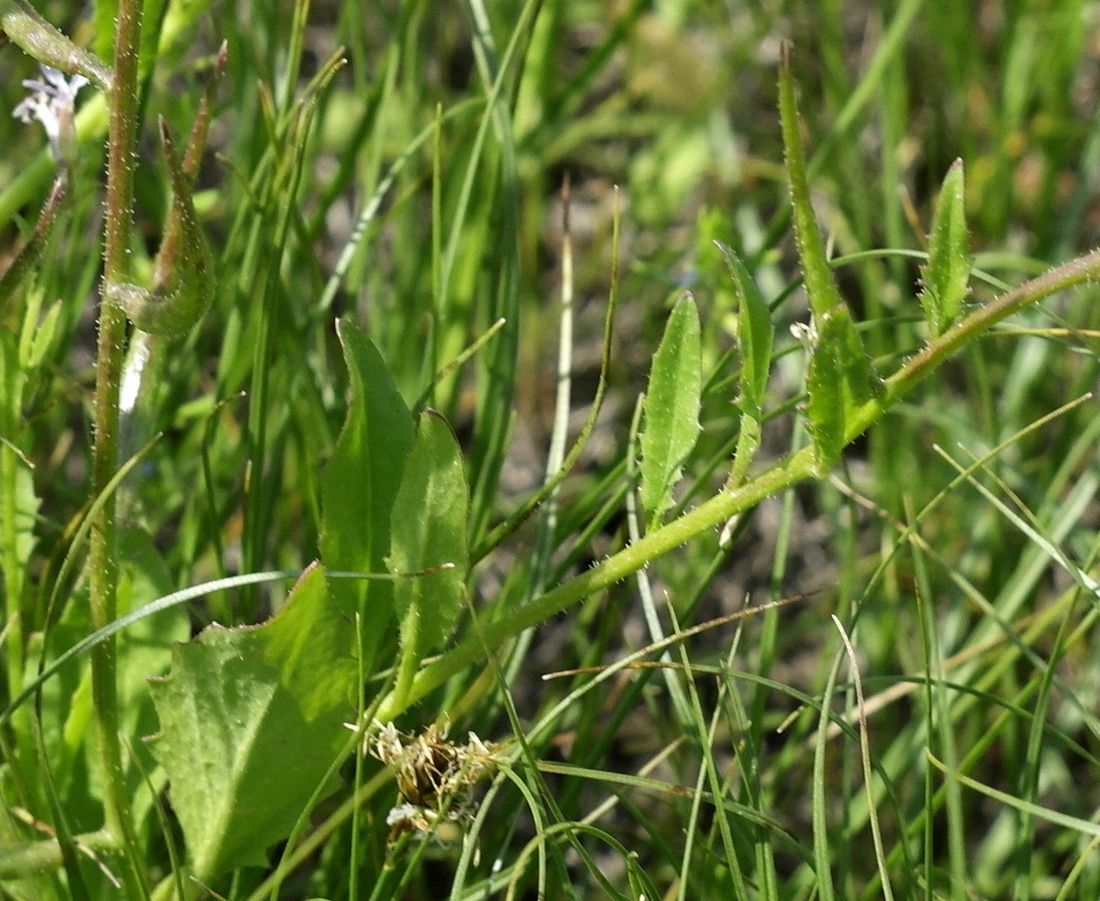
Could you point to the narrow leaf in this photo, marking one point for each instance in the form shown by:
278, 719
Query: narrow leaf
359, 486
755, 332
250, 722
947, 274
671, 408
31, 252
429, 531
840, 376
840, 380
821, 287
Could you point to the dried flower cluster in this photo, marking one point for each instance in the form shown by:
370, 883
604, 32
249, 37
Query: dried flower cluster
434, 776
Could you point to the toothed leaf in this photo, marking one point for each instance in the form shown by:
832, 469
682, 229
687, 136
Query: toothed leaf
755, 333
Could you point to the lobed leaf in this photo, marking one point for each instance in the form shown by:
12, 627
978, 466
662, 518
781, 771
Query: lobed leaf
671, 408
947, 274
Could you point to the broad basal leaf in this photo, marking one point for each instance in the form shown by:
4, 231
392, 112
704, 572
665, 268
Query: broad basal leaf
359, 485
671, 408
429, 530
251, 718
840, 380
946, 276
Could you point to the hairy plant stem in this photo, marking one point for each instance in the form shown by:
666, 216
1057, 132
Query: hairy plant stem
103, 565
40, 40
796, 467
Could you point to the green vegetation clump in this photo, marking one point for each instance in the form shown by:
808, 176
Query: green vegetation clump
549, 450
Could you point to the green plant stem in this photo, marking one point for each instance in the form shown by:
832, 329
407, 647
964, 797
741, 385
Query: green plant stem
13, 579
39, 39
103, 565
794, 468
19, 861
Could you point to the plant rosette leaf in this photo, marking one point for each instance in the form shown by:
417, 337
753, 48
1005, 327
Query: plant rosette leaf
671, 408
251, 719
946, 277
429, 546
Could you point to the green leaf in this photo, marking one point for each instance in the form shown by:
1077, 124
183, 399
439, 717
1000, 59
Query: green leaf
26, 510
15, 273
821, 287
755, 333
429, 531
840, 377
671, 408
183, 276
359, 486
104, 18
947, 274
43, 336
840, 380
251, 719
